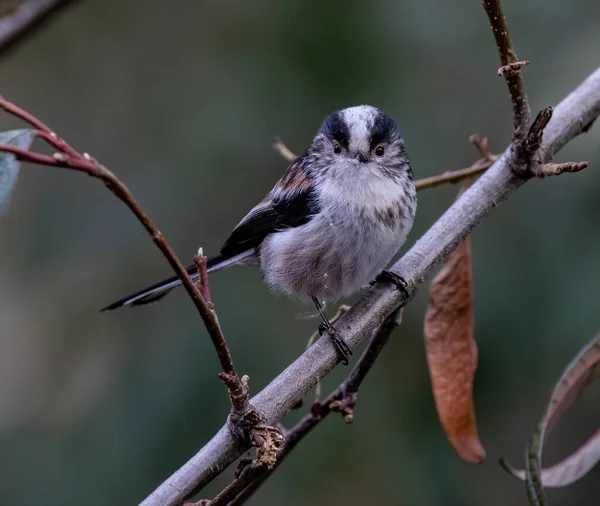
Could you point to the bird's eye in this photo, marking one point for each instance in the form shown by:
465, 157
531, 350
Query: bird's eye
337, 147
379, 150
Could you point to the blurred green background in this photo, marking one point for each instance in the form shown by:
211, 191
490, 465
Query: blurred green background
182, 100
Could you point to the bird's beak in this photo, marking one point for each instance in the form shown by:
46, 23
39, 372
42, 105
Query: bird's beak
359, 155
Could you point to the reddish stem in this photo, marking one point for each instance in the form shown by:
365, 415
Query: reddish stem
68, 157
200, 261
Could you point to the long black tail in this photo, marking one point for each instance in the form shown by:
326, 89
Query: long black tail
159, 290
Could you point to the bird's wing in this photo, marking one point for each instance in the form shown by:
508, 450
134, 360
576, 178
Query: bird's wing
291, 203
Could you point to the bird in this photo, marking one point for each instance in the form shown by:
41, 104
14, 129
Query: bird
332, 222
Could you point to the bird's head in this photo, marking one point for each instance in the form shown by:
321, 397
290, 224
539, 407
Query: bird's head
361, 138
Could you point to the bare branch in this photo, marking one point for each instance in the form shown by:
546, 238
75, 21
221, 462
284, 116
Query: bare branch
457, 175
555, 169
26, 156
201, 263
482, 145
70, 158
570, 118
249, 425
283, 150
533, 141
511, 70
342, 400
524, 158
24, 19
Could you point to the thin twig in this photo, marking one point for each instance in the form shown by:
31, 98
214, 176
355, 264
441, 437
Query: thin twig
247, 424
455, 176
555, 169
17, 24
70, 158
26, 156
200, 261
342, 400
482, 145
511, 69
570, 118
525, 157
533, 140
283, 150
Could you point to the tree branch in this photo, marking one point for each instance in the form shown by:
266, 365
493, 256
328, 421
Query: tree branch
24, 19
555, 169
342, 400
283, 150
201, 263
455, 176
68, 157
570, 118
510, 70
245, 423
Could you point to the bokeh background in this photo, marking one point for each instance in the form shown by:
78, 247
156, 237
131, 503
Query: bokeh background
182, 100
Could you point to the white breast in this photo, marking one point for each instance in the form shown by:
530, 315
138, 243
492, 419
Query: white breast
346, 245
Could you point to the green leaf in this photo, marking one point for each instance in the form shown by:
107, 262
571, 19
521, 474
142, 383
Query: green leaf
578, 375
9, 165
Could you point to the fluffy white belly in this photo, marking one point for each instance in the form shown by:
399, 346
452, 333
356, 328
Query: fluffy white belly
339, 251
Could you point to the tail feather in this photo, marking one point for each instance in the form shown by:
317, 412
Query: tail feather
151, 293
162, 288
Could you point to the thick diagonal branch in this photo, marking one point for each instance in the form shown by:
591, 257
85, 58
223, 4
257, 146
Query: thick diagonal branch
341, 400
570, 118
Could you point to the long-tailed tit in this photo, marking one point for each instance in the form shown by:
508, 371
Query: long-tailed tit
332, 222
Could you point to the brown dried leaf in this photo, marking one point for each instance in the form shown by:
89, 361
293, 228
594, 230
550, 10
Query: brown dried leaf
452, 352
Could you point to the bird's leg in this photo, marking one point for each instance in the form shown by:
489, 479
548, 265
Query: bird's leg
394, 278
338, 341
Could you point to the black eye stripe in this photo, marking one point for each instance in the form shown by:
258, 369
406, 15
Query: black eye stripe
334, 127
384, 130
381, 127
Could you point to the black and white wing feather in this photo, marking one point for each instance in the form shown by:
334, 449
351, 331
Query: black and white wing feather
292, 203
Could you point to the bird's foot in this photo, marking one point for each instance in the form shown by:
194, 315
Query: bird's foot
394, 278
340, 344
